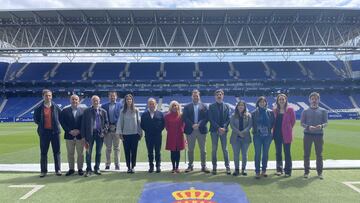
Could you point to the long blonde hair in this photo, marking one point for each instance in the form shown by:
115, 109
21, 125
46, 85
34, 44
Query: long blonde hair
172, 103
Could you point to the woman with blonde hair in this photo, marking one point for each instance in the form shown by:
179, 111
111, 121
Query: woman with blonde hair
175, 141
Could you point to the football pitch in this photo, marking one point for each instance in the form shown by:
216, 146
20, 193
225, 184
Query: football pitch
19, 144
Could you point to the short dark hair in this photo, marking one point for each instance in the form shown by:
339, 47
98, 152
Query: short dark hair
111, 92
219, 91
46, 91
316, 94
195, 91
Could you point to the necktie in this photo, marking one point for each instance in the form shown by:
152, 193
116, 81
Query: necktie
98, 121
221, 119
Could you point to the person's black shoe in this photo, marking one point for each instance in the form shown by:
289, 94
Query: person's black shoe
236, 172
243, 172
80, 172
214, 172
58, 173
107, 167
228, 172
42, 174
70, 172
117, 167
151, 169
189, 169
205, 170
158, 170
97, 172
129, 170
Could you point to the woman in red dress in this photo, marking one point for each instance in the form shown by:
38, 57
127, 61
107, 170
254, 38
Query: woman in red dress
175, 141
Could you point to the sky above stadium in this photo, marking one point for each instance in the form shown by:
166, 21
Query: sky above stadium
55, 4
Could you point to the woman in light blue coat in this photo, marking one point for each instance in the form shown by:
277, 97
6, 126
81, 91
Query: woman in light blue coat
240, 139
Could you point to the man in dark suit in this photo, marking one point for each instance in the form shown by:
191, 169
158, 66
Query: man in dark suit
195, 116
219, 117
94, 125
70, 119
111, 139
153, 123
46, 116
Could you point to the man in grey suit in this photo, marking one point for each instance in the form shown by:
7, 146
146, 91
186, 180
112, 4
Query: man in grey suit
70, 119
195, 118
219, 117
93, 128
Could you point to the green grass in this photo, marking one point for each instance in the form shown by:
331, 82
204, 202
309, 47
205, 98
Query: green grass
19, 143
121, 187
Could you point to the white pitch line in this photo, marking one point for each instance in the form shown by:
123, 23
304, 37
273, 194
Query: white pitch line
31, 192
351, 185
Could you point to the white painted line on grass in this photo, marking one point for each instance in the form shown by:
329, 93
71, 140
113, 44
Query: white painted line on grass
352, 185
31, 192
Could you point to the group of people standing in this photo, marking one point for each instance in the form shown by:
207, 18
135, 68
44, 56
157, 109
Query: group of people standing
114, 122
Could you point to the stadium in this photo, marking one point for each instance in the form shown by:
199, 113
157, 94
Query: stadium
165, 54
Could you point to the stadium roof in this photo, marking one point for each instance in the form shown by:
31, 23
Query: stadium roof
180, 30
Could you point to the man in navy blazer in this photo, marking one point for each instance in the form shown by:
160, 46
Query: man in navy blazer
94, 126
195, 116
111, 139
46, 116
70, 119
219, 117
153, 123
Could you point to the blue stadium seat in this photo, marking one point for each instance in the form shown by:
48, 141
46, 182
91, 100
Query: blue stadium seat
3, 69
13, 69
320, 69
36, 71
215, 70
70, 71
355, 65
286, 70
18, 105
143, 71
251, 70
179, 71
107, 71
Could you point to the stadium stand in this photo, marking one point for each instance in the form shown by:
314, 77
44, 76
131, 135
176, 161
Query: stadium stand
143, 71
287, 70
214, 71
237, 78
250, 70
70, 72
3, 69
36, 71
179, 71
17, 105
13, 70
106, 71
320, 70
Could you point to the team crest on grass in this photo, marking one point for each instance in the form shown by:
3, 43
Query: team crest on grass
193, 192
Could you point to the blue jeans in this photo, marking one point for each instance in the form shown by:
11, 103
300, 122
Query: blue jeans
99, 143
243, 146
261, 144
214, 140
